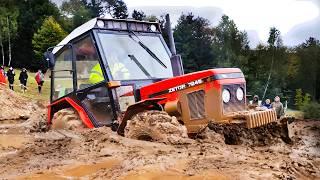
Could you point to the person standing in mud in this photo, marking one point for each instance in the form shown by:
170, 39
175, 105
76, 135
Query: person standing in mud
23, 79
10, 75
3, 80
40, 80
2, 70
278, 107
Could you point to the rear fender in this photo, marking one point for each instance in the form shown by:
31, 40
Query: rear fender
67, 100
148, 104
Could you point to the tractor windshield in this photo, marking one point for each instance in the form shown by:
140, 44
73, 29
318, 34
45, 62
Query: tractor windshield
129, 60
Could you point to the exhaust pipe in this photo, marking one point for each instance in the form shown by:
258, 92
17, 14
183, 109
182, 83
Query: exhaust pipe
176, 60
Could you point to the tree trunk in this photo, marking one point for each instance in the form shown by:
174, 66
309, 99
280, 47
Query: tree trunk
9, 64
2, 51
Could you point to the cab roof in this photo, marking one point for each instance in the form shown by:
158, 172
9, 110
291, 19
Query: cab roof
109, 24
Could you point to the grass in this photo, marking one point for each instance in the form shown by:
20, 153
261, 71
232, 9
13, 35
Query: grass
294, 113
32, 87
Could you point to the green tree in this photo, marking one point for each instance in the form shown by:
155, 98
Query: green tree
31, 16
138, 15
49, 34
274, 39
75, 13
193, 37
308, 77
96, 7
229, 44
276, 65
299, 99
8, 27
119, 10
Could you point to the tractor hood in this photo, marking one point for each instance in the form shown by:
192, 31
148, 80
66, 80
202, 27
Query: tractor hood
174, 84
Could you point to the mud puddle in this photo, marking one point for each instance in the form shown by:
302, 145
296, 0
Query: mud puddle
74, 171
13, 140
15, 121
159, 175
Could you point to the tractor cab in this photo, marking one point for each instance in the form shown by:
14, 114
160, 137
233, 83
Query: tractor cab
101, 65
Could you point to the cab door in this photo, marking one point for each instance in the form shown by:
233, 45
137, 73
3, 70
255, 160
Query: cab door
92, 89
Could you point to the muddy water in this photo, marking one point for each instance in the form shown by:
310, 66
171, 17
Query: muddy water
159, 175
74, 171
13, 140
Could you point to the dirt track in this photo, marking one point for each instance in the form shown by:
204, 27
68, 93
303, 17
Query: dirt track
27, 152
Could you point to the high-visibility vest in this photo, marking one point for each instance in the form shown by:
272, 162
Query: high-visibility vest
96, 74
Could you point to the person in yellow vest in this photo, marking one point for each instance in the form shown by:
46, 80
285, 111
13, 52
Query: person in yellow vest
96, 74
118, 72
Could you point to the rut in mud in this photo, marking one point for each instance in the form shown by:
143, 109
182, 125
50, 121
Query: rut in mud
30, 151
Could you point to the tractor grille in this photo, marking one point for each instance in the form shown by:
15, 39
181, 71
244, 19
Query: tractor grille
234, 104
196, 104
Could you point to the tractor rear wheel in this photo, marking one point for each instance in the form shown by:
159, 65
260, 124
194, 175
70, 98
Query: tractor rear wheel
154, 126
67, 119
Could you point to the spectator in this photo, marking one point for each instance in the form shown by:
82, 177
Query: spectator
23, 79
267, 104
40, 80
2, 70
278, 107
10, 75
3, 80
255, 100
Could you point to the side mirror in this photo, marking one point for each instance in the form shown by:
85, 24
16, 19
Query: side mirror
49, 57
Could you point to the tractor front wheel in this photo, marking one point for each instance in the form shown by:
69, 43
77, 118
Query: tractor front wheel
67, 119
154, 126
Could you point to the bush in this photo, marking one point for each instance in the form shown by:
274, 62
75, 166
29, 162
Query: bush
301, 99
311, 110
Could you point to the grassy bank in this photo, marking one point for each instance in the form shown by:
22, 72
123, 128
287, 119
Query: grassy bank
32, 87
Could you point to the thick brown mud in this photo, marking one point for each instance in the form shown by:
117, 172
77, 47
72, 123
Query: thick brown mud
29, 151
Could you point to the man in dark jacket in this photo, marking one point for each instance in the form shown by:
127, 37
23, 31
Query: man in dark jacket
23, 79
10, 75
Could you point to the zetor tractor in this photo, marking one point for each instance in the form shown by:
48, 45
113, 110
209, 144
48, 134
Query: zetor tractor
107, 71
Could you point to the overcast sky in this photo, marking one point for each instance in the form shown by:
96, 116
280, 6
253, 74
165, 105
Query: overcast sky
296, 19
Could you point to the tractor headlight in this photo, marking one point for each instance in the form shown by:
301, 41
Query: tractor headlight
226, 96
240, 94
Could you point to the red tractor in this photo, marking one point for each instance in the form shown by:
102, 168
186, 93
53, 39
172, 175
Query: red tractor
108, 70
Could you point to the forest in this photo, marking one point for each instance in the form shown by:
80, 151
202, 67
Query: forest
29, 27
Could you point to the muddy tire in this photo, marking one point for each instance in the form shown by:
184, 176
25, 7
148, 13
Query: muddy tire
67, 119
154, 126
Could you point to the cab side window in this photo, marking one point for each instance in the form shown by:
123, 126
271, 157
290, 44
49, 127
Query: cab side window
63, 76
89, 71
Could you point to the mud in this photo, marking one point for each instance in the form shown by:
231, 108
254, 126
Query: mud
156, 126
236, 134
29, 151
